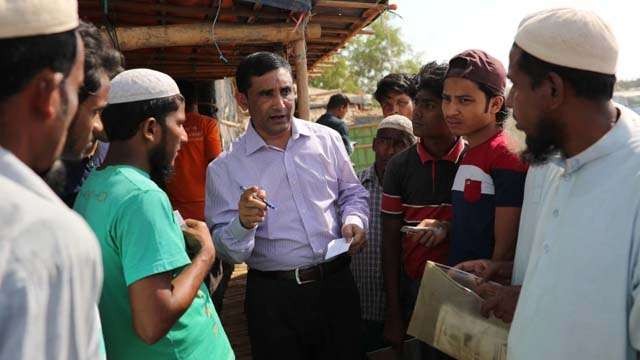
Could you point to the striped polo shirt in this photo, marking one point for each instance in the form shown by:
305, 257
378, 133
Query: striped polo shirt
490, 176
417, 186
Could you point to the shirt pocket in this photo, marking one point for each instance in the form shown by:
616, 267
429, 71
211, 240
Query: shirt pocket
472, 190
316, 181
316, 173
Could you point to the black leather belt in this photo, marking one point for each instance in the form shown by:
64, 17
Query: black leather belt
309, 274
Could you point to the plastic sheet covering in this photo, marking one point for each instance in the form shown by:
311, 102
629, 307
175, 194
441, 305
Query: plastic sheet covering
447, 316
293, 5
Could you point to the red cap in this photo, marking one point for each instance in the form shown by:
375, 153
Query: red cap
480, 67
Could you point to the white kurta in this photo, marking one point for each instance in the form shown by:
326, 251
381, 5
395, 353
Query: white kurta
579, 241
535, 188
50, 272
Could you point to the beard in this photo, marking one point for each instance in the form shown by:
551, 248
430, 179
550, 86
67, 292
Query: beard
160, 169
63, 113
56, 177
546, 142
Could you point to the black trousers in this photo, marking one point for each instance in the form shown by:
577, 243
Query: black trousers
319, 320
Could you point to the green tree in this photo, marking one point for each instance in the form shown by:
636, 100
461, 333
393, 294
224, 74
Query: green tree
337, 77
367, 58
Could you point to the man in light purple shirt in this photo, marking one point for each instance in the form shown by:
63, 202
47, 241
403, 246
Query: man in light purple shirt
299, 305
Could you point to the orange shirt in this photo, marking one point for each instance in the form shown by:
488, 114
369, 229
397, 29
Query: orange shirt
186, 188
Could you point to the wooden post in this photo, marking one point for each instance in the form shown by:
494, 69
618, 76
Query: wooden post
302, 78
141, 37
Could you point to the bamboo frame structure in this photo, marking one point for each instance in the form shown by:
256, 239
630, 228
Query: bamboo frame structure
192, 40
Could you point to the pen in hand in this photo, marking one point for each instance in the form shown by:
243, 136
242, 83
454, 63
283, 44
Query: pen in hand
244, 188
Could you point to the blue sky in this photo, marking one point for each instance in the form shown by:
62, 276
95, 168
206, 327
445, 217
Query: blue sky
439, 29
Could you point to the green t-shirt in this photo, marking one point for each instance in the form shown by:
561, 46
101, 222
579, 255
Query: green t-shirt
133, 220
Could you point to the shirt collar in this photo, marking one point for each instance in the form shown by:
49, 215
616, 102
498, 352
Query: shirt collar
617, 137
453, 155
369, 174
253, 141
130, 167
15, 170
329, 116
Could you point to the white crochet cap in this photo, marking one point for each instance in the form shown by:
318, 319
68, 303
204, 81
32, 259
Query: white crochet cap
141, 84
397, 122
573, 38
19, 18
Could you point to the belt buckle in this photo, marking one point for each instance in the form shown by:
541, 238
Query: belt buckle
300, 282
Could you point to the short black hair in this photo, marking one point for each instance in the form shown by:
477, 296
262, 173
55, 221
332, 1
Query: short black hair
258, 64
489, 93
122, 121
337, 101
24, 57
100, 57
586, 84
400, 83
431, 78
188, 91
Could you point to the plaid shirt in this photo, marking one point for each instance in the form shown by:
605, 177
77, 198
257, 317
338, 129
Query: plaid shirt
366, 266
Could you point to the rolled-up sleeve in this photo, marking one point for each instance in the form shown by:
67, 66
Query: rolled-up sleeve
234, 243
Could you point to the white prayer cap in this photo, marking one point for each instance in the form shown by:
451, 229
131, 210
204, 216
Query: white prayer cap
20, 18
573, 38
397, 122
141, 84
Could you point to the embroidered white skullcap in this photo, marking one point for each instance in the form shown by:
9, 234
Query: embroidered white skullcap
141, 84
573, 38
20, 18
397, 122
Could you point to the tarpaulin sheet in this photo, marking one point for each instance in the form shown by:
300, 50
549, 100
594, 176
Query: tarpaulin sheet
294, 5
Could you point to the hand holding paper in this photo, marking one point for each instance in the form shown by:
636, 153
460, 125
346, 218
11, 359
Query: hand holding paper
337, 247
448, 316
356, 235
179, 220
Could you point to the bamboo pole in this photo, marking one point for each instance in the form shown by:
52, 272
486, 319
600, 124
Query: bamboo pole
328, 40
334, 19
141, 37
168, 57
302, 78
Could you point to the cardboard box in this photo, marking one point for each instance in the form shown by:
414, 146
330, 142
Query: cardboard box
447, 316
